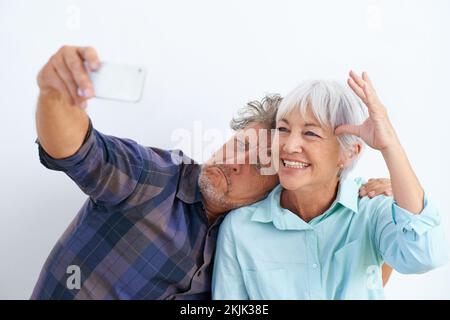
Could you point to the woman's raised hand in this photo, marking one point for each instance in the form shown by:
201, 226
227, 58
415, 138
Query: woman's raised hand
376, 130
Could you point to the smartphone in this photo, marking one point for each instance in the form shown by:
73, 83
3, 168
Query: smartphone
120, 82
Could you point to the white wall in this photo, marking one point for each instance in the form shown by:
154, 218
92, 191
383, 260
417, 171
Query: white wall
205, 60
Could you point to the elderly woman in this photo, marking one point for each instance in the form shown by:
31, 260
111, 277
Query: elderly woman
313, 237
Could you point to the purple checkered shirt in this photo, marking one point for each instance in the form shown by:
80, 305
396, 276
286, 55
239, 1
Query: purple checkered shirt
142, 233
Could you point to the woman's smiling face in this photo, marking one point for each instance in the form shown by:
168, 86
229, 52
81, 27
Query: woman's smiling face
309, 153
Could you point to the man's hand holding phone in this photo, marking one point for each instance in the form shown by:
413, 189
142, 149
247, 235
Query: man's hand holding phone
76, 73
67, 73
70, 78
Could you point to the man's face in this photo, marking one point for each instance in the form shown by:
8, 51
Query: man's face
239, 173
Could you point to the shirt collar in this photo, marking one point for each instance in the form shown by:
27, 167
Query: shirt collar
348, 194
188, 189
270, 209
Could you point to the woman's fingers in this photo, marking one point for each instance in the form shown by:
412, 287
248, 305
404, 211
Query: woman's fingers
358, 80
357, 89
363, 87
348, 129
369, 90
360, 87
366, 78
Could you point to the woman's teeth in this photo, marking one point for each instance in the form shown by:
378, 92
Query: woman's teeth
295, 164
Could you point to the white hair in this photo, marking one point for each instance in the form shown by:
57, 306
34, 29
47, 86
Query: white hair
332, 104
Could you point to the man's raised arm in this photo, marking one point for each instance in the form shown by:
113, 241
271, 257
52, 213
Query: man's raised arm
61, 121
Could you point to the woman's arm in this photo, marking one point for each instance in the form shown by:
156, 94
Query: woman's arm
378, 132
410, 243
406, 188
406, 232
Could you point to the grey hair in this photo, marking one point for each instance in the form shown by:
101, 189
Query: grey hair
332, 105
263, 112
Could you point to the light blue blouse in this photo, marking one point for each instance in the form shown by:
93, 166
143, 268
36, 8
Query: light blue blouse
267, 252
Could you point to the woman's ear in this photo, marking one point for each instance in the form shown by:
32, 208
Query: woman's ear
350, 154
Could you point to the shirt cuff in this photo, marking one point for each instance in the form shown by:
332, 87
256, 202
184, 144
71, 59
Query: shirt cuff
66, 163
420, 223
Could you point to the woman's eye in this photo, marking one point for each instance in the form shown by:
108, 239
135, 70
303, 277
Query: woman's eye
311, 134
282, 129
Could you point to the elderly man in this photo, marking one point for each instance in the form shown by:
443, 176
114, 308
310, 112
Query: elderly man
148, 229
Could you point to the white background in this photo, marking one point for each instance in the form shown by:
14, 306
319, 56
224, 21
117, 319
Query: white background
205, 60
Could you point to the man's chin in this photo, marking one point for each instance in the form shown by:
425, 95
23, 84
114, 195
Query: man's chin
211, 192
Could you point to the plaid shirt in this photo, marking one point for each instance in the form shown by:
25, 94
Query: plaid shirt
142, 233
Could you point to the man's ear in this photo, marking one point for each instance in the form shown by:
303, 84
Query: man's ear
350, 154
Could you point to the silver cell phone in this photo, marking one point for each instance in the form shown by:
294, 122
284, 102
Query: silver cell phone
117, 81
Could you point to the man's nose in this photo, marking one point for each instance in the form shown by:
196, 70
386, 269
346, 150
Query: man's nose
235, 168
